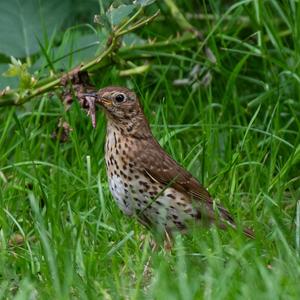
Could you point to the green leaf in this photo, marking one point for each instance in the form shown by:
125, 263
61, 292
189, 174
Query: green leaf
144, 2
22, 22
119, 14
12, 82
76, 48
103, 21
132, 39
19, 70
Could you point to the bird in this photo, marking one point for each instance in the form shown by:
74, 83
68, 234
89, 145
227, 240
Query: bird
145, 181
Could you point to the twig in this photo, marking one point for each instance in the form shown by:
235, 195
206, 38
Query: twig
138, 24
14, 97
178, 16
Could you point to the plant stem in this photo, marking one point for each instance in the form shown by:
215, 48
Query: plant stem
178, 16
13, 97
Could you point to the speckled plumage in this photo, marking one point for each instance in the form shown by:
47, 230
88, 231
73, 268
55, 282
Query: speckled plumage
143, 179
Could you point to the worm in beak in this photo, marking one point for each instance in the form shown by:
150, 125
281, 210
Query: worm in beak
88, 103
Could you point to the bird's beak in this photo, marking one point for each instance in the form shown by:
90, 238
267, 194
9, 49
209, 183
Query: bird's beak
105, 101
92, 95
99, 98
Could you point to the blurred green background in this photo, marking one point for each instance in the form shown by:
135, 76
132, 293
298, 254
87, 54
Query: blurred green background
220, 86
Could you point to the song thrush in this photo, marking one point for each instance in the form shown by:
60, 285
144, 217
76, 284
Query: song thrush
144, 180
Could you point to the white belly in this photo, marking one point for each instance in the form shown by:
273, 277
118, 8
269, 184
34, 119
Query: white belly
161, 211
121, 194
135, 195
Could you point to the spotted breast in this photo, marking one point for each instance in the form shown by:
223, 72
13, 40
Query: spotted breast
137, 194
145, 181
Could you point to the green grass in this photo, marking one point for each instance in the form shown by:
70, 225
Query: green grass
239, 135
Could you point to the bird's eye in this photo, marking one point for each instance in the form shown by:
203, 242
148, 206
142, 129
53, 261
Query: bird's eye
120, 98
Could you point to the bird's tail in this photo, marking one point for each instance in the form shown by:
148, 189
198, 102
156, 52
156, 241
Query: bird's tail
227, 220
249, 233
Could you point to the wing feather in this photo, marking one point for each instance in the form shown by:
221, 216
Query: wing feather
165, 170
154, 162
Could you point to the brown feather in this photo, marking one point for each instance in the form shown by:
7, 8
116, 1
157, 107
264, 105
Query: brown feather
165, 170
150, 159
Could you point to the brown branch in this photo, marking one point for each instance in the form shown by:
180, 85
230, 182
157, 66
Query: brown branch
15, 97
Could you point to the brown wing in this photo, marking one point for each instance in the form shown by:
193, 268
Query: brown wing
154, 162
158, 165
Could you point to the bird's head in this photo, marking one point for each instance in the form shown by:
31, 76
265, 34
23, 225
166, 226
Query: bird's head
119, 102
122, 107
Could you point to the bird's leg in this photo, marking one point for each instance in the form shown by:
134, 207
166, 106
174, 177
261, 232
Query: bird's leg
147, 272
152, 243
168, 243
